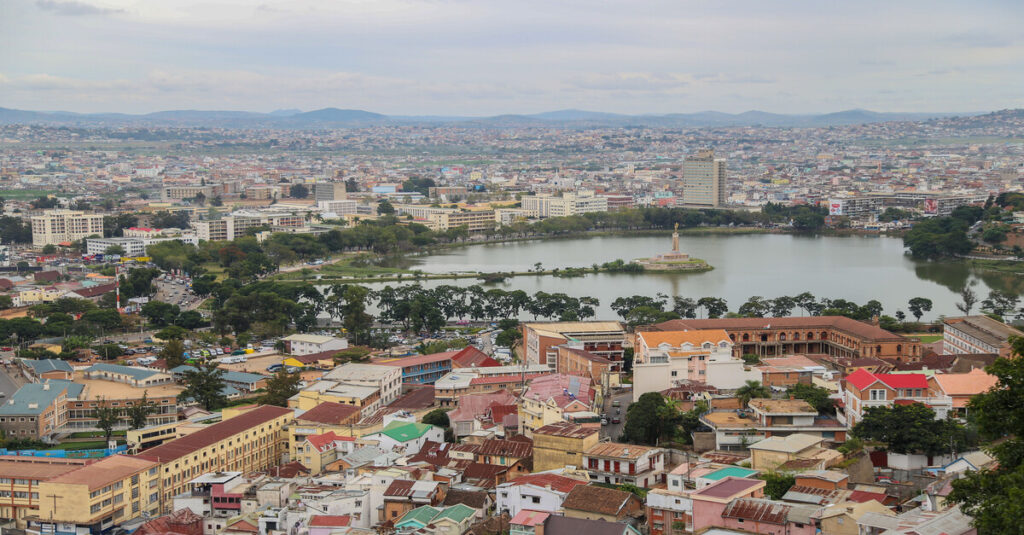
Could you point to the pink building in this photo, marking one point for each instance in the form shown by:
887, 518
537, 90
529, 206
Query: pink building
711, 501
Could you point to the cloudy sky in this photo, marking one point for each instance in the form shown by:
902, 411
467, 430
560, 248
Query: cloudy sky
483, 57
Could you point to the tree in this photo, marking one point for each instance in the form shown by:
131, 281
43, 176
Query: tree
918, 306
967, 300
49, 248
205, 386
1000, 303
817, 396
437, 417
908, 429
755, 307
715, 307
777, 484
159, 313
138, 412
995, 497
300, 191
173, 353
114, 250
106, 418
385, 208
782, 306
280, 387
751, 390
650, 419
171, 332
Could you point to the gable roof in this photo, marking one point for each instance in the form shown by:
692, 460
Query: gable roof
564, 525
678, 338
557, 483
471, 357
329, 412
862, 379
758, 510
329, 521
188, 444
600, 500
48, 365
975, 381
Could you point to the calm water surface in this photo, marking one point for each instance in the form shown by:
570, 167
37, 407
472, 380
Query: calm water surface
858, 268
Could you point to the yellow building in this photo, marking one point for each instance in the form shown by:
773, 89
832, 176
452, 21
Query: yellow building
20, 479
562, 444
98, 496
324, 418
248, 439
364, 397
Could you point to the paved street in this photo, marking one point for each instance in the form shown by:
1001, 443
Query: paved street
7, 385
614, 431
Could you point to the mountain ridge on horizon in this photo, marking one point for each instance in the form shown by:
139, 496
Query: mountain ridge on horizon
569, 117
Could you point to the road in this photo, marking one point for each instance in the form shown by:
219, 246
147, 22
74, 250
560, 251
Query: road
178, 294
7, 385
614, 431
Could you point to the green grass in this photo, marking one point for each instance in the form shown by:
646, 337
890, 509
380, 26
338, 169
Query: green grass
1007, 266
927, 338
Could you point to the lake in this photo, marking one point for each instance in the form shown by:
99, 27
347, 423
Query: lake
857, 268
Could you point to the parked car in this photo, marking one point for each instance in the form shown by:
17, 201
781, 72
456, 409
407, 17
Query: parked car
273, 368
616, 420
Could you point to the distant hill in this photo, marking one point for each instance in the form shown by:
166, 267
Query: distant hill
569, 118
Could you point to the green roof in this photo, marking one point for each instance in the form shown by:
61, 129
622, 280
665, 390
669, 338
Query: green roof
420, 515
405, 431
457, 513
734, 471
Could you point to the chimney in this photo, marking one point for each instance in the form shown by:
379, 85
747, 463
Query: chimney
46, 386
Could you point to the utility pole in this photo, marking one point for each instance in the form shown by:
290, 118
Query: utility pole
54, 496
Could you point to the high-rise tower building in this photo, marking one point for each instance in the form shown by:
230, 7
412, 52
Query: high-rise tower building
704, 180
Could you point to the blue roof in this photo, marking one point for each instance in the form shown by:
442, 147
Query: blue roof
182, 368
136, 373
48, 365
39, 395
242, 377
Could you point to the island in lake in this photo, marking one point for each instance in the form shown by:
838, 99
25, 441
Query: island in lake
673, 260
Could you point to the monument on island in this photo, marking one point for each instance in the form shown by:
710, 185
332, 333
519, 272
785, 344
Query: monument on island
674, 260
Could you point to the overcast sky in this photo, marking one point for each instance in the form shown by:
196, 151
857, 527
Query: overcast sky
485, 57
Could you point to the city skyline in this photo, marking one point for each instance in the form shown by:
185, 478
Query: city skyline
481, 58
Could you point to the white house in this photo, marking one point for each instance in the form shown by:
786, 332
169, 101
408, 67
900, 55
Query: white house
405, 436
537, 492
664, 358
307, 344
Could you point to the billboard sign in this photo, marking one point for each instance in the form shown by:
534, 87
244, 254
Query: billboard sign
835, 207
931, 206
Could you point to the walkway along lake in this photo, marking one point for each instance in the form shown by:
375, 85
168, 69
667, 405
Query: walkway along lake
857, 268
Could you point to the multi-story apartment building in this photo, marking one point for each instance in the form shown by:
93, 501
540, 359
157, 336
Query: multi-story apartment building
20, 478
704, 182
53, 227
422, 369
98, 496
465, 381
550, 398
863, 390
546, 205
236, 224
178, 193
248, 439
329, 191
664, 358
618, 464
38, 410
977, 334
835, 336
562, 444
386, 379
670, 509
601, 338
135, 246
339, 207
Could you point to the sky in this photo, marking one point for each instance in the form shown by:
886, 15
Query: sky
489, 57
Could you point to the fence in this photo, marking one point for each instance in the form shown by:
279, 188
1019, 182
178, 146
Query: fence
66, 454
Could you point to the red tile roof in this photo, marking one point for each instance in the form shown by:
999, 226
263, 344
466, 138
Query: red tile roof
861, 496
180, 522
506, 448
471, 357
558, 483
323, 442
329, 412
904, 380
329, 521
814, 323
208, 436
861, 379
758, 510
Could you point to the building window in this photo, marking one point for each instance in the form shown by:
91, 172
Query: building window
878, 395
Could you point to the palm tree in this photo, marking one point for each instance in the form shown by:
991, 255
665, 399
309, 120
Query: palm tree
751, 390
